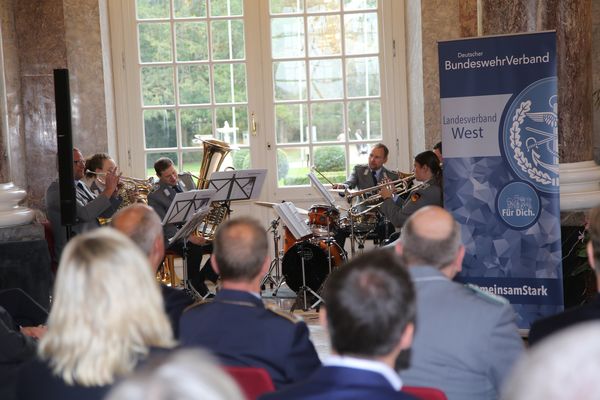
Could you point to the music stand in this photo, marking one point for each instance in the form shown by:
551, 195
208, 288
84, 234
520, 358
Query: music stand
188, 208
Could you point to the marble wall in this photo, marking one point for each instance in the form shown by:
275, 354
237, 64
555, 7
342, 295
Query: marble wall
38, 37
596, 76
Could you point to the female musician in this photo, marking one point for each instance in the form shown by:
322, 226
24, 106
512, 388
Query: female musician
427, 171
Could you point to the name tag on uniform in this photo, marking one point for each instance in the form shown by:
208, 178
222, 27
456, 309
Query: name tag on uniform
167, 193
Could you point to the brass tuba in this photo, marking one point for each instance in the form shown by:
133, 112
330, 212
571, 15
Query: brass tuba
215, 152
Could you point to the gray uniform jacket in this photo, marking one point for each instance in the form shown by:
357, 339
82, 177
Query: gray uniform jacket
88, 212
466, 341
160, 200
429, 195
361, 177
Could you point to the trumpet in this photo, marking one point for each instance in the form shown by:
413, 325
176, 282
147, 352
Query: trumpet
379, 200
399, 184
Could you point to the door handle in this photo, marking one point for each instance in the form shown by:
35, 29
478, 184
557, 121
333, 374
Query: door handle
253, 124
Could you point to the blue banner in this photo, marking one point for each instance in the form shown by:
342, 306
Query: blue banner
500, 144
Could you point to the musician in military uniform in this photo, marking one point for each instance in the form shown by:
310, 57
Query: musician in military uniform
160, 200
364, 176
429, 173
235, 325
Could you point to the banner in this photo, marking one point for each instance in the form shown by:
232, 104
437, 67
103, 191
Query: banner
500, 146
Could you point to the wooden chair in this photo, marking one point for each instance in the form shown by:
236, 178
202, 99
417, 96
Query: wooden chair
425, 393
254, 382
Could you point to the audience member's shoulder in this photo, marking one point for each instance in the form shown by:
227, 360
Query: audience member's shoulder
485, 297
198, 305
284, 317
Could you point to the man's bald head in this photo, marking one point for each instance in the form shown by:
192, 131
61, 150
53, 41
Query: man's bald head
430, 237
141, 223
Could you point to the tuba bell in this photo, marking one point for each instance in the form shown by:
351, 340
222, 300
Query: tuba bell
215, 152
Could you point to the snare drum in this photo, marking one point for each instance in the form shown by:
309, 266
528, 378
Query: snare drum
316, 263
323, 219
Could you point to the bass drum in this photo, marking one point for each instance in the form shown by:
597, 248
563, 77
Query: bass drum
316, 265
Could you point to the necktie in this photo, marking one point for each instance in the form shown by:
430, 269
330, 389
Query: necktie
84, 192
177, 189
374, 178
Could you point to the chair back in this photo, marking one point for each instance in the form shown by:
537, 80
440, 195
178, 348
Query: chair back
254, 382
425, 393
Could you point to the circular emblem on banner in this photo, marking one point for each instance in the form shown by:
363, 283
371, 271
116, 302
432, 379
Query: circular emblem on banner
518, 204
530, 135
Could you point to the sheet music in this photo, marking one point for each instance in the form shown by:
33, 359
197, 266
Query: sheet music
238, 184
186, 204
321, 189
292, 219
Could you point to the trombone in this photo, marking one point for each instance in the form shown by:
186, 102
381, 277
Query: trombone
399, 184
376, 198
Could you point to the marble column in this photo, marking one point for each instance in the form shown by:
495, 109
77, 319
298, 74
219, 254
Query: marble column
572, 20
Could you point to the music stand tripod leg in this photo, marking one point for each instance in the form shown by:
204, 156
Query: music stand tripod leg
187, 286
304, 289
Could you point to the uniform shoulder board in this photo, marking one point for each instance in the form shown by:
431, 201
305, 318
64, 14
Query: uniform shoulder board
484, 294
196, 304
290, 317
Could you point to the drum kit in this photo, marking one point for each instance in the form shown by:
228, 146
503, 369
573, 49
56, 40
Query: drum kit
304, 263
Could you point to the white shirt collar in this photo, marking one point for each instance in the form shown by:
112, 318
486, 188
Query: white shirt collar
368, 365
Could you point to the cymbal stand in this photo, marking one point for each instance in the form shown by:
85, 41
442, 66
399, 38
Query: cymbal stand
304, 289
274, 275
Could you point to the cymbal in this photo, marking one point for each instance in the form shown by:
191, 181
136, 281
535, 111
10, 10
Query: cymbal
270, 205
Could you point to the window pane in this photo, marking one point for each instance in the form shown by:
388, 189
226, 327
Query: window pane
358, 153
223, 8
191, 41
286, 6
157, 86
195, 122
227, 39
160, 128
155, 42
291, 121
189, 8
293, 166
326, 79
147, 9
361, 33
289, 80
240, 159
324, 35
362, 77
359, 4
192, 161
287, 37
364, 120
230, 83
331, 162
328, 122
232, 125
152, 157
322, 5
194, 84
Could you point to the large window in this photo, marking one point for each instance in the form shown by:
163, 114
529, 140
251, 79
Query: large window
290, 84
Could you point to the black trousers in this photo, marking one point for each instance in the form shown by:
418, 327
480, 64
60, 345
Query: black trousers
23, 309
197, 274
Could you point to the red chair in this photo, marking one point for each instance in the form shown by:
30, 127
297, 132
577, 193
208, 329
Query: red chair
254, 382
49, 235
425, 393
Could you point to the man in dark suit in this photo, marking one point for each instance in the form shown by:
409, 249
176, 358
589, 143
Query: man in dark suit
370, 312
89, 206
467, 340
542, 328
141, 224
160, 200
236, 326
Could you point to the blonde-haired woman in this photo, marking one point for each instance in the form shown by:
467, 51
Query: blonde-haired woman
106, 316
